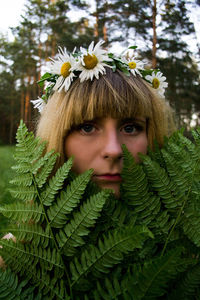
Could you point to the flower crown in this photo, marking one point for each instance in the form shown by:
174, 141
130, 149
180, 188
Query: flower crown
89, 63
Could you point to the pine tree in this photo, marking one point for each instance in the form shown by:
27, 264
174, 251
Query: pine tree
180, 68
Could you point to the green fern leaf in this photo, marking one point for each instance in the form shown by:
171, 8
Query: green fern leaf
24, 193
37, 166
16, 253
31, 233
22, 212
151, 280
49, 288
112, 290
191, 148
161, 183
196, 136
183, 157
177, 174
21, 168
191, 223
11, 288
109, 253
22, 180
68, 200
71, 236
136, 190
28, 149
156, 154
56, 183
187, 285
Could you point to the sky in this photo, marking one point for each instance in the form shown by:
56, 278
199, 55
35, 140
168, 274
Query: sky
10, 11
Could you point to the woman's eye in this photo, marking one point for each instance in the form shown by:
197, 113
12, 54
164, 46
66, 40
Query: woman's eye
129, 128
132, 128
87, 128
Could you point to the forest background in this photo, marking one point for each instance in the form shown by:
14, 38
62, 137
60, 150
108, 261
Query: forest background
162, 30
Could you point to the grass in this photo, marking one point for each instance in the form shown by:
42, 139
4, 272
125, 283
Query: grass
6, 174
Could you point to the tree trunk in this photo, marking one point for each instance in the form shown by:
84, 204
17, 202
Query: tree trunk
22, 102
154, 13
27, 101
11, 120
105, 37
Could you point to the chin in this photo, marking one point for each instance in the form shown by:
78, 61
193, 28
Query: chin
115, 187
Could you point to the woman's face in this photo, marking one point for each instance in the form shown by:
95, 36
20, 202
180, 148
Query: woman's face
97, 145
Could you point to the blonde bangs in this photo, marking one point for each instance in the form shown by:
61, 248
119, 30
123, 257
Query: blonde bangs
115, 95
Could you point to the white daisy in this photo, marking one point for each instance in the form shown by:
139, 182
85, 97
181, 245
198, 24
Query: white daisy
134, 65
39, 104
158, 82
63, 65
91, 61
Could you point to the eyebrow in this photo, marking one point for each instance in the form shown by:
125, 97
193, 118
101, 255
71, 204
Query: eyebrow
121, 120
143, 120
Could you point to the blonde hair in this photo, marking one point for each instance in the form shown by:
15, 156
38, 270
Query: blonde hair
115, 95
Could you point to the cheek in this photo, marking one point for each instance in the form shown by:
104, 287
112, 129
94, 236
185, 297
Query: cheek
74, 147
138, 146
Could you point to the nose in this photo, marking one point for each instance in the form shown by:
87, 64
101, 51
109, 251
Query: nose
112, 146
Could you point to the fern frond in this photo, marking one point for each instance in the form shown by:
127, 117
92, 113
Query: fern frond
161, 183
22, 212
136, 190
28, 149
68, 200
27, 144
71, 236
158, 178
183, 157
56, 183
187, 285
191, 148
112, 290
37, 286
25, 193
156, 154
191, 223
12, 288
22, 180
109, 252
35, 264
176, 172
151, 280
21, 256
43, 167
50, 288
31, 233
196, 136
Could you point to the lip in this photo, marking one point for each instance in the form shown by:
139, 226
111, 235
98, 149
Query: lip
109, 177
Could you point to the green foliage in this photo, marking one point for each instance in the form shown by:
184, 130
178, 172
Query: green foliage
6, 174
76, 242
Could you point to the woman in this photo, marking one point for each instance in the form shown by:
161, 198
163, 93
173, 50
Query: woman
110, 104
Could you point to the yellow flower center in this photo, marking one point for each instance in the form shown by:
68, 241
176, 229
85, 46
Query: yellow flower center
65, 69
132, 65
90, 61
155, 83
